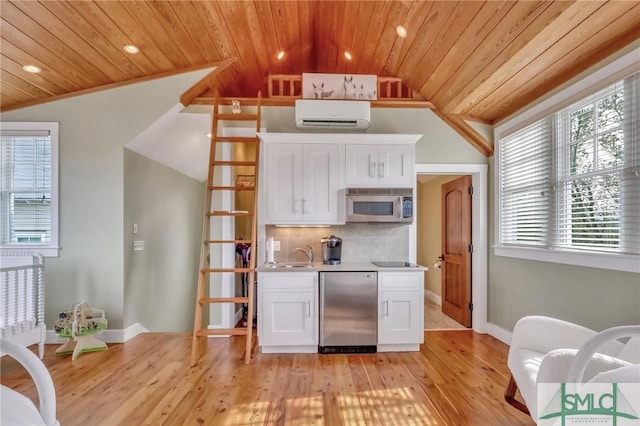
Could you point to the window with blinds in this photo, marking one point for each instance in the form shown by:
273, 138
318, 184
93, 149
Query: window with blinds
29, 185
571, 180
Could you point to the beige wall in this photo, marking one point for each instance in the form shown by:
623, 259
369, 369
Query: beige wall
160, 282
93, 131
429, 230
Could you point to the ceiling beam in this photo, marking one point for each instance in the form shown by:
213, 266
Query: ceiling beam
290, 101
206, 83
467, 132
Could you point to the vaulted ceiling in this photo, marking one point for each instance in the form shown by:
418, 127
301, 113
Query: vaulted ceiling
475, 59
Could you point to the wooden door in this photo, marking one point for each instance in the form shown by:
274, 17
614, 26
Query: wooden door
456, 250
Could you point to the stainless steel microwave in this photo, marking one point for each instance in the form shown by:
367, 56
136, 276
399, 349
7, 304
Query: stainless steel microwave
387, 205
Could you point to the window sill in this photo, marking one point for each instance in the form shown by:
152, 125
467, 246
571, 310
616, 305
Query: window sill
615, 262
46, 251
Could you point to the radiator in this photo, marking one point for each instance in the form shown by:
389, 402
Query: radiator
22, 298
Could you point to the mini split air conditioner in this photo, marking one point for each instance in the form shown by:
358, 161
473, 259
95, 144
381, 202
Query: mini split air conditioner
332, 114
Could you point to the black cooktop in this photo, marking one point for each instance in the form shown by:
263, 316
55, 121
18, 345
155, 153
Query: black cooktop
395, 264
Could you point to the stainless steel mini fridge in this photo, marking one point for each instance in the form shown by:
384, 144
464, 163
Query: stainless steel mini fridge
348, 312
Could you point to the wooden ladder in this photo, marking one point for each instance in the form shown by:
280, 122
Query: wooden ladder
207, 268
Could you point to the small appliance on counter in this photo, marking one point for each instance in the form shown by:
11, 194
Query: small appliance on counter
331, 250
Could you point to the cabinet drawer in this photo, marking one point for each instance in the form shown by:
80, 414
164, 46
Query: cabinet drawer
292, 281
401, 280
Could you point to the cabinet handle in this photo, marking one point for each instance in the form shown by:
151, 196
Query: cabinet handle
308, 308
372, 170
386, 308
305, 205
381, 169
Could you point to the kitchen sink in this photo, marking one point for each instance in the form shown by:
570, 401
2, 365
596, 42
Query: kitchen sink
285, 265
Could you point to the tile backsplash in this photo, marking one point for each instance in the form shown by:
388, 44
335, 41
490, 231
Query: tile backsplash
361, 242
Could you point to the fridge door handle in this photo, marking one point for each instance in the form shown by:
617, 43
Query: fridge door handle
321, 304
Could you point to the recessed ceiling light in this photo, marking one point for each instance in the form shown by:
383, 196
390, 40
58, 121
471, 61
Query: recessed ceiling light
130, 48
280, 55
32, 69
402, 31
347, 55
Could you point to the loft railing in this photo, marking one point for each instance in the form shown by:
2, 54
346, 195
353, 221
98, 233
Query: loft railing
290, 87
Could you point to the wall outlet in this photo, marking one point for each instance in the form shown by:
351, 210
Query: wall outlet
276, 245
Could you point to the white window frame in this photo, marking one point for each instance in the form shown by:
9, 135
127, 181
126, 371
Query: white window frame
51, 249
599, 79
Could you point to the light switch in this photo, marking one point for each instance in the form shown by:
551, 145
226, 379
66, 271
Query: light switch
135, 228
138, 245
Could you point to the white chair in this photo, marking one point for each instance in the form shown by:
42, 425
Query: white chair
19, 410
548, 350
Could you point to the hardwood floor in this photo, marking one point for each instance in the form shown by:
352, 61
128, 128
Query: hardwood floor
458, 378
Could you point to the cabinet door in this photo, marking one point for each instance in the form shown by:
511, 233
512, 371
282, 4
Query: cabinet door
361, 165
395, 165
321, 183
400, 317
284, 183
289, 318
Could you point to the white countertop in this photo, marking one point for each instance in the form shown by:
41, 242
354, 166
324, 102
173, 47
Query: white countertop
343, 267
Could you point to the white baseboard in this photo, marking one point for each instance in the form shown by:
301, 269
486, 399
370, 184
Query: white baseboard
107, 336
133, 330
499, 333
433, 297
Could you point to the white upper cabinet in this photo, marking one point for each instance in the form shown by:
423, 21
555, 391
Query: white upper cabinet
302, 183
379, 165
303, 175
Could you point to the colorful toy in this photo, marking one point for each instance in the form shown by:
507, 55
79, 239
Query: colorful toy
79, 325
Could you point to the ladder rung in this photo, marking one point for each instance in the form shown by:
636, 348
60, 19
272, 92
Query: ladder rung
228, 241
238, 270
232, 188
225, 213
241, 117
234, 163
237, 139
222, 331
224, 300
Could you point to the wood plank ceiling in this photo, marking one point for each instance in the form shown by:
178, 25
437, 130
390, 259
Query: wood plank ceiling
476, 59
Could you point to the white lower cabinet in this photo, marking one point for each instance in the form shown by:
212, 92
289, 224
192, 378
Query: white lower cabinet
288, 312
288, 317
400, 311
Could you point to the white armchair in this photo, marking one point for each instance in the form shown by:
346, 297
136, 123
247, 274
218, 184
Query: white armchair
17, 409
544, 350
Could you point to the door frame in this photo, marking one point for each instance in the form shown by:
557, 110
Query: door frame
479, 233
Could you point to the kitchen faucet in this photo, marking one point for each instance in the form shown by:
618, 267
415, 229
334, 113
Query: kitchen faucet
309, 253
